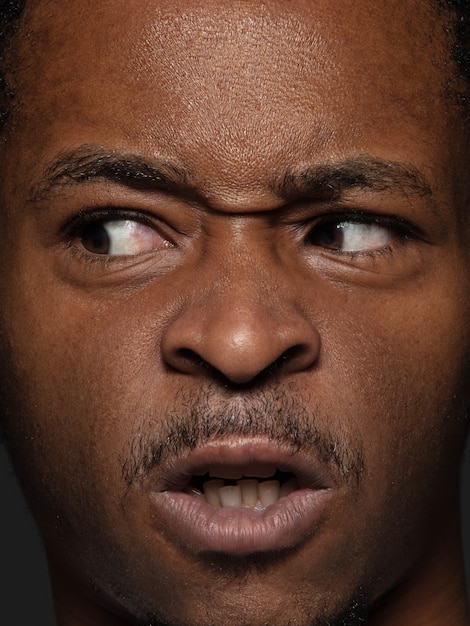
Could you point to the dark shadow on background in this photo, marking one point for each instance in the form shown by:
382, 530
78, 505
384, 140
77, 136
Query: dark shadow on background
24, 592
25, 598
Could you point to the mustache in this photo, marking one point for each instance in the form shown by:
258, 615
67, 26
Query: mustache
208, 415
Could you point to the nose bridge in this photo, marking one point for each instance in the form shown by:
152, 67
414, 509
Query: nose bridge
246, 303
245, 281
246, 267
245, 317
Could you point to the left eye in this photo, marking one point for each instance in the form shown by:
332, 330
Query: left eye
120, 237
352, 236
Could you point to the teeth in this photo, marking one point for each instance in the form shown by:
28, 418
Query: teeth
248, 492
230, 495
211, 491
249, 489
269, 492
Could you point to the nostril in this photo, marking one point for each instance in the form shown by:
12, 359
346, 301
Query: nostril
295, 357
190, 361
191, 357
292, 353
239, 345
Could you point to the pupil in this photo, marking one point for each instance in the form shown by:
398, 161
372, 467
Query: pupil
95, 238
328, 236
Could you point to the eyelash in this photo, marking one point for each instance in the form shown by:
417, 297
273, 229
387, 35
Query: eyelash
90, 216
71, 230
403, 230
82, 256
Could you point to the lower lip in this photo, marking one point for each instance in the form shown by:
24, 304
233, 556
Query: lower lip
200, 527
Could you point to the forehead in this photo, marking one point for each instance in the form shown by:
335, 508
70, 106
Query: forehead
233, 85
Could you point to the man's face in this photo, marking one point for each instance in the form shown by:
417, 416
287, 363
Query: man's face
234, 242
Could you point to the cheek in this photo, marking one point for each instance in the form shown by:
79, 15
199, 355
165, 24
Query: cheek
82, 380
64, 381
402, 370
85, 378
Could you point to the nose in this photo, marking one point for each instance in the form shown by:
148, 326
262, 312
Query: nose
240, 336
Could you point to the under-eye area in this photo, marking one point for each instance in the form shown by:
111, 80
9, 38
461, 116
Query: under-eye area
251, 487
234, 310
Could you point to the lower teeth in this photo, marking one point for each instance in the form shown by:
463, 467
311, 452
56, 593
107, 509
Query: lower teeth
248, 493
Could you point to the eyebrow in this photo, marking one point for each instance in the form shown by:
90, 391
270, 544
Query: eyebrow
88, 164
361, 172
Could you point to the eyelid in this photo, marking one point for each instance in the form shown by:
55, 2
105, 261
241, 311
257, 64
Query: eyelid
394, 222
401, 231
110, 213
106, 213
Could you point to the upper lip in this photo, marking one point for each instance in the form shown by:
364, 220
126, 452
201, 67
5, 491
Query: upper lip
310, 473
196, 525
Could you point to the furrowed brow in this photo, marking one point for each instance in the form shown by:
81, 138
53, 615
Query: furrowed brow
364, 172
89, 164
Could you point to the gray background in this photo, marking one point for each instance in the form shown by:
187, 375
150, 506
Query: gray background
24, 593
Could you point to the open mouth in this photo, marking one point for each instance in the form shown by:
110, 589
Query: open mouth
255, 486
241, 497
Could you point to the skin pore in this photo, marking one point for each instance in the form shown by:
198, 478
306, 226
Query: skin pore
238, 230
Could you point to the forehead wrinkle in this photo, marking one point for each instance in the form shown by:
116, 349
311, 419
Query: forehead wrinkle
192, 118
90, 163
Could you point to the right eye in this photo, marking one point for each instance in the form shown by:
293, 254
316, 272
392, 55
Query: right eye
350, 235
120, 237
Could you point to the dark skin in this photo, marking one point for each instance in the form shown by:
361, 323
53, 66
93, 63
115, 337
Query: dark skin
236, 226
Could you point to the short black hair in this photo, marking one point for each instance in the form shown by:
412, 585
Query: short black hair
459, 31
460, 35
10, 11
